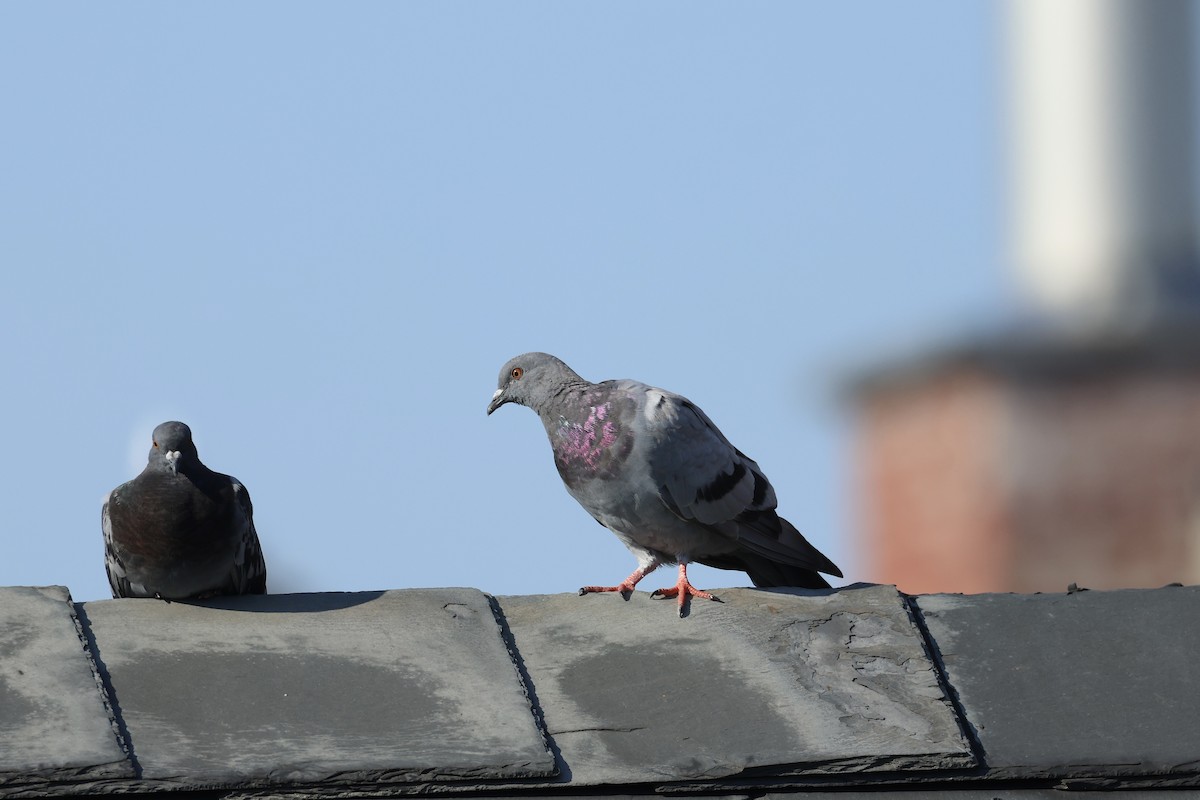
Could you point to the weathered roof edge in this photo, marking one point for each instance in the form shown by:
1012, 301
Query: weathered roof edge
1035, 350
1124, 647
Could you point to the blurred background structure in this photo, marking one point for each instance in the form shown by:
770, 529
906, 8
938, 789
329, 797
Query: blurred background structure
1065, 446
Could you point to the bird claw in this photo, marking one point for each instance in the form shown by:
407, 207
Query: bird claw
692, 591
626, 590
684, 590
625, 587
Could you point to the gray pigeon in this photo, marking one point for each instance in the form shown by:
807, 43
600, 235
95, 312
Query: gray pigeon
652, 467
179, 530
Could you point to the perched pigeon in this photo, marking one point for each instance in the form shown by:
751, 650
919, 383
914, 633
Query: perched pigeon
179, 530
652, 467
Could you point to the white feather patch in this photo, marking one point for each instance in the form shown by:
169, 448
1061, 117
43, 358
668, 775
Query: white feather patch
654, 403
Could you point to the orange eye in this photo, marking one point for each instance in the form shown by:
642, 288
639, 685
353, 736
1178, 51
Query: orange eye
156, 444
517, 372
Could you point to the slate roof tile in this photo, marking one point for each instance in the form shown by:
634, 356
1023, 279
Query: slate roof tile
55, 722
1083, 684
773, 693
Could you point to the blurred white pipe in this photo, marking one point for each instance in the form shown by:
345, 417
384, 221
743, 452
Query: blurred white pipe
1103, 199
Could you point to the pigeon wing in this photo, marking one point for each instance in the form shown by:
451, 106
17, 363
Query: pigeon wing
701, 476
249, 567
117, 578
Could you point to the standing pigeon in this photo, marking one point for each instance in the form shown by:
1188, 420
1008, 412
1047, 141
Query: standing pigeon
179, 530
652, 467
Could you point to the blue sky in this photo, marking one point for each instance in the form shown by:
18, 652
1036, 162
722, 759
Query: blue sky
314, 232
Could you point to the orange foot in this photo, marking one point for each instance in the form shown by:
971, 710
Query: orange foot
625, 587
684, 590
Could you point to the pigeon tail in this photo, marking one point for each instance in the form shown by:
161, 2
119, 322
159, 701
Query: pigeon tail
766, 574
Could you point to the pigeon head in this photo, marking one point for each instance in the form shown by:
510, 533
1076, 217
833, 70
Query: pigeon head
532, 380
173, 444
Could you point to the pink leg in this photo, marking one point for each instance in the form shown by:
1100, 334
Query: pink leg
684, 590
625, 587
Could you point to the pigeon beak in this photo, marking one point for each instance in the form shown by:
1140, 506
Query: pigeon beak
171, 457
498, 399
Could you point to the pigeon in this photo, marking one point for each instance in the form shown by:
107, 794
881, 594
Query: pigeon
179, 530
651, 467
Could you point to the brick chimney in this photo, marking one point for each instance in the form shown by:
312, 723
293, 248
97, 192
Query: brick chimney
1066, 449
1025, 464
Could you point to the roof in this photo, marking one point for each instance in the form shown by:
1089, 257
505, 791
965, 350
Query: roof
451, 691
1035, 350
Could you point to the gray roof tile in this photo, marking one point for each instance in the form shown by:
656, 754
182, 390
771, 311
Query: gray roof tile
781, 691
334, 688
1090, 683
55, 724
790, 681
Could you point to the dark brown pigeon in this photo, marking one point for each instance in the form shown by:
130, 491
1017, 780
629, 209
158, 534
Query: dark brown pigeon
651, 467
179, 530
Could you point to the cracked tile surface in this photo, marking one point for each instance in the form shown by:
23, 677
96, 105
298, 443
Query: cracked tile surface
801, 682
